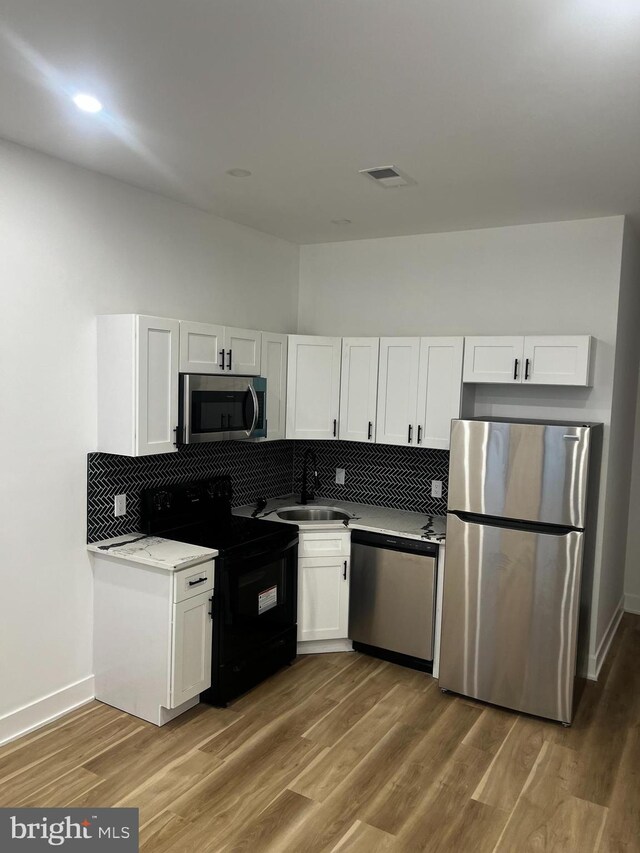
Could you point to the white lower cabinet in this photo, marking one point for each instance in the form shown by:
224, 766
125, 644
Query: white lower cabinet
152, 637
323, 586
191, 648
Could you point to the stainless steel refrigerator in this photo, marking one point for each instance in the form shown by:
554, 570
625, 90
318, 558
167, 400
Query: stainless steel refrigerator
517, 512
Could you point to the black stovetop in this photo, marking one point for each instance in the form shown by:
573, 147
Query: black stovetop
199, 513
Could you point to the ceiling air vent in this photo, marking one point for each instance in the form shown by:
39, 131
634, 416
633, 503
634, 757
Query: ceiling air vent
388, 176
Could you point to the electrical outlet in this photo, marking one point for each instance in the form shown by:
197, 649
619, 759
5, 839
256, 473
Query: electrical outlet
340, 472
120, 505
436, 488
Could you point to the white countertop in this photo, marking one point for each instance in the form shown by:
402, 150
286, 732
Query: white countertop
154, 551
377, 519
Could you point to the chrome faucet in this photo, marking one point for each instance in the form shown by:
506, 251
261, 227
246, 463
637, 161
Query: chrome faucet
309, 494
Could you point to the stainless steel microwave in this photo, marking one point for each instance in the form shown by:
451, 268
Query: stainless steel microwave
215, 408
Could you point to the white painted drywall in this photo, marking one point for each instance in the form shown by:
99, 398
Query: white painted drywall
631, 271
75, 244
621, 439
632, 568
560, 277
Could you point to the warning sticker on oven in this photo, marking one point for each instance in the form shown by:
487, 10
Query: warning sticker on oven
267, 599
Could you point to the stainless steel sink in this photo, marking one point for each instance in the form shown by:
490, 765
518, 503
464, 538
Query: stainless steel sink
313, 513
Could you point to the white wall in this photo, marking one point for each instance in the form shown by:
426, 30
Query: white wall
560, 277
75, 244
631, 269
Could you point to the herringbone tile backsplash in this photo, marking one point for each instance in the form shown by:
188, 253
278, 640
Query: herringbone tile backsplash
257, 469
380, 474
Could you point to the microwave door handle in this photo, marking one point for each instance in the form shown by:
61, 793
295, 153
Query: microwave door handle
254, 396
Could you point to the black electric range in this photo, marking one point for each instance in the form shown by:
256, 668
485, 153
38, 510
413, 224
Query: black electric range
254, 606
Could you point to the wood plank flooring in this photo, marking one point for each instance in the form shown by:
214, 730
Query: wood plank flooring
347, 753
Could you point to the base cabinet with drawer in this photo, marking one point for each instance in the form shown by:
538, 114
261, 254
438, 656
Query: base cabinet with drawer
323, 589
152, 637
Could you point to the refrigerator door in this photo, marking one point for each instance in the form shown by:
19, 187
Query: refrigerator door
510, 616
528, 472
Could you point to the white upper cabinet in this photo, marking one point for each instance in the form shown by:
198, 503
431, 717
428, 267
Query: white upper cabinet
313, 386
202, 348
358, 389
243, 349
207, 348
557, 360
529, 359
439, 390
397, 390
493, 359
274, 370
137, 384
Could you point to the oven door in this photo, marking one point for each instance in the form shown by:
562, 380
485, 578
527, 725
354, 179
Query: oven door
256, 599
214, 408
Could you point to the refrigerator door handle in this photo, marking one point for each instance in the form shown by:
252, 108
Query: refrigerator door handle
513, 524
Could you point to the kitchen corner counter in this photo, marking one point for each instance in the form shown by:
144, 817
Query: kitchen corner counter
154, 551
377, 519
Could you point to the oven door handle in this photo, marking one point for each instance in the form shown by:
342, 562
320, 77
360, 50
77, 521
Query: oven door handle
254, 397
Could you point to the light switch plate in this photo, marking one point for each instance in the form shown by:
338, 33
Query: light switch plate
120, 505
436, 488
340, 472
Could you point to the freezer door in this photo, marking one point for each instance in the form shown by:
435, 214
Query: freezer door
510, 615
529, 472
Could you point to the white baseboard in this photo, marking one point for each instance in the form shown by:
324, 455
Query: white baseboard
632, 603
596, 661
42, 711
318, 647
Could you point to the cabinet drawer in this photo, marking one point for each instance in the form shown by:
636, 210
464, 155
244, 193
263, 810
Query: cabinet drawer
193, 581
324, 544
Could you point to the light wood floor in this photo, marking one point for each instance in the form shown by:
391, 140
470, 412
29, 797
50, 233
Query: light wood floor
347, 753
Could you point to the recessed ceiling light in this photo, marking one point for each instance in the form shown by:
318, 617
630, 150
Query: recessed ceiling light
341, 221
87, 103
239, 173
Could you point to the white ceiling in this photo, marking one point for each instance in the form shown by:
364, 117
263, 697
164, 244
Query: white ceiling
504, 111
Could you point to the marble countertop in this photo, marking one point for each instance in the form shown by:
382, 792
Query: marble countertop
377, 519
154, 551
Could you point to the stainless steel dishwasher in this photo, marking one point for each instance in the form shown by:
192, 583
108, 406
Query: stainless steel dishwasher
392, 598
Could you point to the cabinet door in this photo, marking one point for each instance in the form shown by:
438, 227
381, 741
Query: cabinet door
201, 346
397, 390
242, 351
323, 598
274, 370
313, 387
439, 390
157, 385
191, 648
489, 359
557, 359
359, 389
